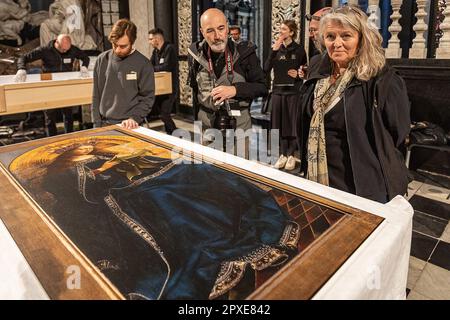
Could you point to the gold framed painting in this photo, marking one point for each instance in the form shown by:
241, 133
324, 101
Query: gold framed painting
112, 214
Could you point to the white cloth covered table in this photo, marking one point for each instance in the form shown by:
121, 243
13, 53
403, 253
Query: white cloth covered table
57, 76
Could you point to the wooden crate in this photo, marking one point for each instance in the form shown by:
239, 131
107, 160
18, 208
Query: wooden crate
43, 95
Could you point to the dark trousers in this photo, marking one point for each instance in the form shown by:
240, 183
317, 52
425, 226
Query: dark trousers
288, 146
51, 117
165, 104
284, 118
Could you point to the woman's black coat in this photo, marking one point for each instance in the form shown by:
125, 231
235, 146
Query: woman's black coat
378, 108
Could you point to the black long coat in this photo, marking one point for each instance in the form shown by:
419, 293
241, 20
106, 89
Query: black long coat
377, 116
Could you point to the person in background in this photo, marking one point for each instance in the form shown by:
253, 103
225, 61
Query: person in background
164, 58
315, 47
354, 112
57, 56
285, 59
124, 82
235, 33
314, 23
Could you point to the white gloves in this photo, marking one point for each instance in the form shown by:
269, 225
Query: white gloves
84, 72
21, 76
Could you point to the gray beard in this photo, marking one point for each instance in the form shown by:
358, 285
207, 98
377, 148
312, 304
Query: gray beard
222, 49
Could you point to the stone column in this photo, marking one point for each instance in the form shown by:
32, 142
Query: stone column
443, 52
164, 18
142, 14
184, 41
374, 13
393, 50
306, 31
419, 47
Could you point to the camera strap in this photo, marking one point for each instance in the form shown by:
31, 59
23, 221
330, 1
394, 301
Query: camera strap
230, 75
228, 66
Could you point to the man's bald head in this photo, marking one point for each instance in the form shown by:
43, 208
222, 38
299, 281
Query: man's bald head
212, 14
63, 43
214, 28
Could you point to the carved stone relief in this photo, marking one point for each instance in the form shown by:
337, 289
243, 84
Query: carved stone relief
284, 10
439, 20
184, 41
66, 16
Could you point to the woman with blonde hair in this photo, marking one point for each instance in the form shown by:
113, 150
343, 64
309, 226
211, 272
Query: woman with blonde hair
355, 112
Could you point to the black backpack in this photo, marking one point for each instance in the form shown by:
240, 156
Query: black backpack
427, 133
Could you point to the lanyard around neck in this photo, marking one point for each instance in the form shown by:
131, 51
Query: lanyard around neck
228, 66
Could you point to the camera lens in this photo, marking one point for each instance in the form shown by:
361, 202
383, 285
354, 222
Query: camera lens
224, 122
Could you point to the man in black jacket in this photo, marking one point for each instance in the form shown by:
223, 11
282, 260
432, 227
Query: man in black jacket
227, 76
315, 48
58, 56
235, 33
164, 58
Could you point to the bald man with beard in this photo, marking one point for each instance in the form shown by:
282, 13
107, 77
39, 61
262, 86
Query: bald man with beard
224, 72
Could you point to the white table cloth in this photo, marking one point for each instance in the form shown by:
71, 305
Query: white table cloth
57, 76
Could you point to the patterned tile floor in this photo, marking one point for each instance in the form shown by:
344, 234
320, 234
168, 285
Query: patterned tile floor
429, 269
429, 194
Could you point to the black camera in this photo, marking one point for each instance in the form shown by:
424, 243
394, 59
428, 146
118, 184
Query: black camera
225, 120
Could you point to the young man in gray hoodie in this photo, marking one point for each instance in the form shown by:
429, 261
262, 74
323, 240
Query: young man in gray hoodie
124, 83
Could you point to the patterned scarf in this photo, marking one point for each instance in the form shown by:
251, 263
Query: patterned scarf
325, 94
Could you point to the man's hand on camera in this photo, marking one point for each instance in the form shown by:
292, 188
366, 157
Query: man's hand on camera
130, 124
222, 93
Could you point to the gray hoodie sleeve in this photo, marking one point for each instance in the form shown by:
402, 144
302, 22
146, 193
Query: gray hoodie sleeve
96, 94
146, 85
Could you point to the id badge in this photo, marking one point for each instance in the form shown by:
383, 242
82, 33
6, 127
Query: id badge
132, 76
161, 61
67, 60
236, 113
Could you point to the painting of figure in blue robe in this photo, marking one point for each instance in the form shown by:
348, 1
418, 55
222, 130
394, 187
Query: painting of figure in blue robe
155, 227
